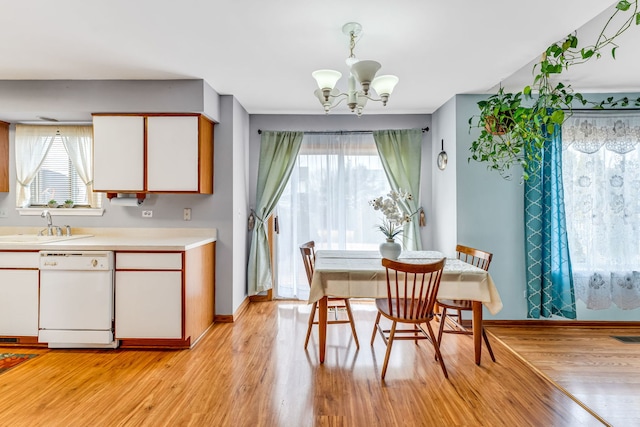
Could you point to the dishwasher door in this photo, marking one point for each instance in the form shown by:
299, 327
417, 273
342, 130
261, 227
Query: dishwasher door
76, 299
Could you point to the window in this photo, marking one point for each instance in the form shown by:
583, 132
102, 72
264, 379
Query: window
327, 200
54, 163
601, 178
57, 179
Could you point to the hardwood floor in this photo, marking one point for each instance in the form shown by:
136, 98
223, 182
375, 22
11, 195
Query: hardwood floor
255, 372
598, 370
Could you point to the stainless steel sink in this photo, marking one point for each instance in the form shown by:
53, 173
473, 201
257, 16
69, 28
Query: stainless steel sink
34, 239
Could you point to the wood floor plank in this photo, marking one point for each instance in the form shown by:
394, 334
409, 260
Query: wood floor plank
255, 372
601, 372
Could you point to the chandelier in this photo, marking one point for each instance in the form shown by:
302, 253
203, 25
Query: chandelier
362, 71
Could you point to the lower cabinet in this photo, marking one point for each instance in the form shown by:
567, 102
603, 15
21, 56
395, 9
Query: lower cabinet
19, 295
164, 299
148, 304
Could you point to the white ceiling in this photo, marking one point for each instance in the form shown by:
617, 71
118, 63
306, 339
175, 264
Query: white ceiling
263, 52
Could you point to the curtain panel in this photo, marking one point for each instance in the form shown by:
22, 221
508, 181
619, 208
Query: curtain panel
549, 279
401, 155
32, 145
78, 141
278, 153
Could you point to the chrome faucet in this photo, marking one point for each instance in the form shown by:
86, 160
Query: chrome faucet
46, 214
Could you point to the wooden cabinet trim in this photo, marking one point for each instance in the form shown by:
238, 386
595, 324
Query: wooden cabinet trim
4, 157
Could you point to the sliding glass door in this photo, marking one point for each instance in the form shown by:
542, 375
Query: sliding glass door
326, 201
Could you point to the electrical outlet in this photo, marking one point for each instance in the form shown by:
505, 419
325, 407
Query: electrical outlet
3, 213
186, 214
147, 214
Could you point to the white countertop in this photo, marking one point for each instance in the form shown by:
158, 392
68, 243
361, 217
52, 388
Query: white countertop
118, 239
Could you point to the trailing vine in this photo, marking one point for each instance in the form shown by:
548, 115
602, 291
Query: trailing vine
514, 126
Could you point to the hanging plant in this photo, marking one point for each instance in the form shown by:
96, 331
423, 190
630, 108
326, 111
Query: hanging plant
514, 126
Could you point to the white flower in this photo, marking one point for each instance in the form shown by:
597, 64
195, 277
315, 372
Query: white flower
394, 218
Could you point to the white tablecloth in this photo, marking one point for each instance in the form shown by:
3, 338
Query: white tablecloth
360, 274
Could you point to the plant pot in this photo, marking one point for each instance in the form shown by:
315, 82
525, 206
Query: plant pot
390, 249
498, 126
52, 205
68, 205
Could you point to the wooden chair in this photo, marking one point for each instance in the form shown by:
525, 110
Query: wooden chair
480, 259
333, 304
411, 297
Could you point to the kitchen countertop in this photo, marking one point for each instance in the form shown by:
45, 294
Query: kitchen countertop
116, 239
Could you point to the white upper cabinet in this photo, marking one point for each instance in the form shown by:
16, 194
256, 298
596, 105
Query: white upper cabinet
146, 153
172, 153
118, 153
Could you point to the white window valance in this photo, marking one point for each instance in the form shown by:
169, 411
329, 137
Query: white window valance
590, 132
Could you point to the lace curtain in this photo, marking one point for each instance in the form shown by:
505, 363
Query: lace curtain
601, 173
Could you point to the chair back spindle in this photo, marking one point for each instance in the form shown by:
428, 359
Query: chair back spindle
412, 288
476, 257
308, 252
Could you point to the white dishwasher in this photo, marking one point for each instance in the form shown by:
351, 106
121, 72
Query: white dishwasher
76, 299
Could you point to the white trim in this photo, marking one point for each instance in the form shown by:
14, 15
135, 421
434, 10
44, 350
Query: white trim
62, 211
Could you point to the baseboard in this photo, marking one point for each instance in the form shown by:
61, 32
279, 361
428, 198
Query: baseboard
563, 323
230, 318
20, 341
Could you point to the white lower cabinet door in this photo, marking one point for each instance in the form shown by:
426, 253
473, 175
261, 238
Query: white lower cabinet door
148, 304
19, 302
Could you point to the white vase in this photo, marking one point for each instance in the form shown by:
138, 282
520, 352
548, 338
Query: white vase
390, 249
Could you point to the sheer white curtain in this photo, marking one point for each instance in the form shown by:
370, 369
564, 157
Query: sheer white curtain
32, 145
326, 200
601, 173
78, 141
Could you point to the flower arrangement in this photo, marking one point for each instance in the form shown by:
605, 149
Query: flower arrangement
394, 218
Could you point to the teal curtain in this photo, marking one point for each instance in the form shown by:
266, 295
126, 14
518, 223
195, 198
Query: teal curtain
401, 153
549, 279
278, 153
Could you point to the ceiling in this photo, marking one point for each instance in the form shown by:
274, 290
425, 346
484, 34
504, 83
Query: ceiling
263, 52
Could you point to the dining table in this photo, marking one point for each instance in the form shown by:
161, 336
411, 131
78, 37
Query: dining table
360, 274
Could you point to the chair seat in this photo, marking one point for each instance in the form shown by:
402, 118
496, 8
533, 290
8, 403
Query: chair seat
456, 304
382, 304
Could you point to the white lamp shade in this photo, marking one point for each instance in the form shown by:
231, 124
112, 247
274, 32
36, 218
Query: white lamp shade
326, 79
384, 84
365, 70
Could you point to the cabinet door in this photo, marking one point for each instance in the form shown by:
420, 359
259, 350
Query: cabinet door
172, 153
19, 302
118, 153
148, 304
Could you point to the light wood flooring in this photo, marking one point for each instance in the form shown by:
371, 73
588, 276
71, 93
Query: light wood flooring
255, 372
596, 369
